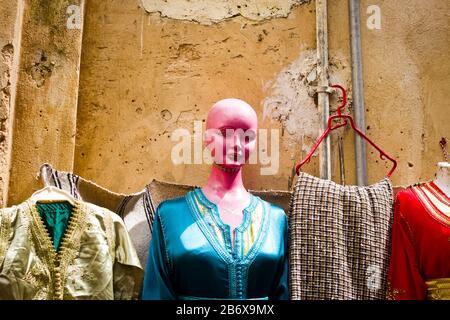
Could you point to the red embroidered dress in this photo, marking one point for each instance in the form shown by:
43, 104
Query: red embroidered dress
420, 257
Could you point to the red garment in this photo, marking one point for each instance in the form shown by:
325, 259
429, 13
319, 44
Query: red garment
420, 241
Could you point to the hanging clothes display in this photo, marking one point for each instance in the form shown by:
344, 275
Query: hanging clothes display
191, 255
340, 235
339, 239
420, 258
137, 209
58, 251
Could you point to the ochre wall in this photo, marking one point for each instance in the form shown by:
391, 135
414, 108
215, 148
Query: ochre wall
156, 64
407, 77
10, 34
143, 75
44, 124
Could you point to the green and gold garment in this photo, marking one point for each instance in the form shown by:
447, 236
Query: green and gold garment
59, 251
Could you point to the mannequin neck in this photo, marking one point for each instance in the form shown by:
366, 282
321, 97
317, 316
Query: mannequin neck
442, 179
222, 181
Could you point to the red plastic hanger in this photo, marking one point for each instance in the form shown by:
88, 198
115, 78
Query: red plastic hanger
330, 128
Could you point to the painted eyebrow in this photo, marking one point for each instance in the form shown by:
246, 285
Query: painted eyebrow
230, 127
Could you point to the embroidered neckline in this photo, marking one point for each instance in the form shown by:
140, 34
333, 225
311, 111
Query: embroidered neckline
215, 210
55, 216
439, 193
57, 261
420, 191
237, 261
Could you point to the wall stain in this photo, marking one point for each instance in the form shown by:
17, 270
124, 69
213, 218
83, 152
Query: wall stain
41, 69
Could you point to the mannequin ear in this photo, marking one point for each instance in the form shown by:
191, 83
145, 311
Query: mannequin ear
207, 138
209, 135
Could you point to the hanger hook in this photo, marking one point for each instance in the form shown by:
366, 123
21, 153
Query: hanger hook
43, 173
344, 97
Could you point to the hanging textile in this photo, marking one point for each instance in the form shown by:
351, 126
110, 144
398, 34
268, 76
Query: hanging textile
94, 260
420, 258
137, 209
192, 257
339, 239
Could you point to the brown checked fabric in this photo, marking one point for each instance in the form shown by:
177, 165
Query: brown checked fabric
339, 239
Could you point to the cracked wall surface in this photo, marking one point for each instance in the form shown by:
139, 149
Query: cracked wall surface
151, 67
214, 11
170, 66
9, 47
163, 75
7, 53
46, 96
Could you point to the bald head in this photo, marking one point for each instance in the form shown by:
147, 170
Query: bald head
233, 113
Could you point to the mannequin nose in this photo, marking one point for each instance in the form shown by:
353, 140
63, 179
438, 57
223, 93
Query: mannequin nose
237, 142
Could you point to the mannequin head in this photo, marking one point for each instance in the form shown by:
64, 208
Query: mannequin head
231, 128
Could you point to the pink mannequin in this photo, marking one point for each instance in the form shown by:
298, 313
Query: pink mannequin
225, 187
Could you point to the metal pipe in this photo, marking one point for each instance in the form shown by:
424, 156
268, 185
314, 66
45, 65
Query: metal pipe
323, 97
341, 160
358, 91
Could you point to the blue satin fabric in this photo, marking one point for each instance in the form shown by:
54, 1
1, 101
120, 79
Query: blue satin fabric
187, 261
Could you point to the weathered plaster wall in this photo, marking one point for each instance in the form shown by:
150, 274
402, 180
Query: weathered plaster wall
407, 76
215, 11
172, 64
10, 28
150, 67
160, 74
47, 90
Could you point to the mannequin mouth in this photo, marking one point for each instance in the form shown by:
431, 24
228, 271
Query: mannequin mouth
235, 156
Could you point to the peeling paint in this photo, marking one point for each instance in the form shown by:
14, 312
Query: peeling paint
290, 96
214, 11
176, 63
7, 53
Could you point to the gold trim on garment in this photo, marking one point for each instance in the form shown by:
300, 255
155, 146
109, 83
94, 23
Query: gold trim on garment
58, 261
204, 210
392, 293
4, 230
438, 289
253, 230
439, 210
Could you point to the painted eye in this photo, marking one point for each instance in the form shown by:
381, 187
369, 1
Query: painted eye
224, 132
250, 136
